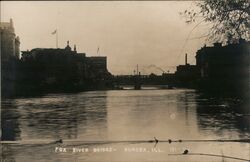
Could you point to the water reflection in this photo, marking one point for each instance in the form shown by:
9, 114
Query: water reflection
145, 114
10, 124
66, 116
123, 115
225, 117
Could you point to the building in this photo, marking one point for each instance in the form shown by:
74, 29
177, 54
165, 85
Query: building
97, 64
9, 51
55, 65
10, 43
225, 67
187, 74
63, 69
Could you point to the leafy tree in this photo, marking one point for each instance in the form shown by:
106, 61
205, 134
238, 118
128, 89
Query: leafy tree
229, 19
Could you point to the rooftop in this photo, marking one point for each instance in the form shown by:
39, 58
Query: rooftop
6, 24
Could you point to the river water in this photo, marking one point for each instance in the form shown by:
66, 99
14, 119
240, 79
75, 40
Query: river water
120, 126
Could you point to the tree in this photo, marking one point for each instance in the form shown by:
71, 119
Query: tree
229, 19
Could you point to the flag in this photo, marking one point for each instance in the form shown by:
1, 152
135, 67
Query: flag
54, 32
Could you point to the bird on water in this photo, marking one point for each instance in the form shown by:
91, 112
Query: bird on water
59, 141
185, 152
156, 140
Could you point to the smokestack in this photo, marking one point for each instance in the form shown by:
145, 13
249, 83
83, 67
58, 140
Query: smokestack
186, 59
75, 48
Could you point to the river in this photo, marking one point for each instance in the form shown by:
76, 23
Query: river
120, 126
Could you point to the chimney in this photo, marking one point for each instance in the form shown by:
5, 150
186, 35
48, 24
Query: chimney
186, 59
75, 48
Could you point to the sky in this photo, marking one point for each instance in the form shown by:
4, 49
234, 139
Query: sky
146, 33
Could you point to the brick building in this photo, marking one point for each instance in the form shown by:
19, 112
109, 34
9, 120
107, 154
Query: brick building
225, 67
59, 69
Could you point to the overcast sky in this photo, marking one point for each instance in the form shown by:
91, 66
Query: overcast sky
128, 32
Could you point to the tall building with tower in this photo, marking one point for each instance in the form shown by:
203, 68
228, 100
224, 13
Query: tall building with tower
9, 42
9, 51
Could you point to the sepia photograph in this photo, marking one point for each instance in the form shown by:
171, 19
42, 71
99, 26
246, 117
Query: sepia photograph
125, 81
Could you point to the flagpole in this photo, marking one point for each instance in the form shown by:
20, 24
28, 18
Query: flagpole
98, 51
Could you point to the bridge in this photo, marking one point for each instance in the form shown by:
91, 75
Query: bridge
137, 81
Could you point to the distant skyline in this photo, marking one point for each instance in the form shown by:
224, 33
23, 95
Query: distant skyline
128, 33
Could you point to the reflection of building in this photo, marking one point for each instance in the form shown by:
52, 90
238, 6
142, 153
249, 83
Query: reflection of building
212, 116
10, 126
9, 42
225, 66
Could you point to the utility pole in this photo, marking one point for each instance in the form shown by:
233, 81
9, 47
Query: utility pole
98, 49
137, 70
56, 38
186, 59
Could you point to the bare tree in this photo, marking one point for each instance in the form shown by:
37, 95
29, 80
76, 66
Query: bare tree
229, 18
